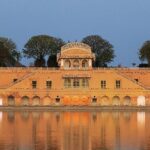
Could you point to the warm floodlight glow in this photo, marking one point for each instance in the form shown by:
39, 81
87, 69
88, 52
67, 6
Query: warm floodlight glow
1, 115
141, 101
141, 118
1, 103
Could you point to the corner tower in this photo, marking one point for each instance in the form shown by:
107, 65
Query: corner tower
75, 56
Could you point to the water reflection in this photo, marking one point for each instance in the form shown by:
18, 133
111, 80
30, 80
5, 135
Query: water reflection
127, 116
1, 115
141, 119
25, 115
74, 130
10, 116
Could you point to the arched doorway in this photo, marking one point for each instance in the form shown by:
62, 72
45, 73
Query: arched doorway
141, 101
36, 101
105, 101
116, 101
1, 101
127, 101
25, 101
11, 100
46, 101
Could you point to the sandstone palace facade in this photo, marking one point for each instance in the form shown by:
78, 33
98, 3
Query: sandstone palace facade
75, 82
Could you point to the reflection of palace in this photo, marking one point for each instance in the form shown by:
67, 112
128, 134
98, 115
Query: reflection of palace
74, 130
75, 82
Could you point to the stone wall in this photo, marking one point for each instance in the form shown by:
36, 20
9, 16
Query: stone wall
128, 93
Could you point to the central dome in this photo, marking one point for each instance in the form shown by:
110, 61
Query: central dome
75, 55
77, 45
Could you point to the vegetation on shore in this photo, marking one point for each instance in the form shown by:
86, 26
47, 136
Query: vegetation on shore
144, 52
9, 56
43, 50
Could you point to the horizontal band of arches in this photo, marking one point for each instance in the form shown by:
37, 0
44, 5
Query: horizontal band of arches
74, 100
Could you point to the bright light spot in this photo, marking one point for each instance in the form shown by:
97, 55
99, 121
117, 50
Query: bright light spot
141, 101
1, 102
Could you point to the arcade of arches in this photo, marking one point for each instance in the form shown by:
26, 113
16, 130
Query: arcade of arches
74, 101
76, 63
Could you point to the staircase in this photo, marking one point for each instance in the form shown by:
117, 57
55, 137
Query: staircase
18, 81
132, 80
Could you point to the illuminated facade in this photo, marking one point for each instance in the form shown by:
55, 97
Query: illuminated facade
75, 82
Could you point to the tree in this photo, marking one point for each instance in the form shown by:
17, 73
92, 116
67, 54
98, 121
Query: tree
40, 46
52, 61
6, 59
3, 54
40, 62
12, 48
103, 50
144, 52
56, 47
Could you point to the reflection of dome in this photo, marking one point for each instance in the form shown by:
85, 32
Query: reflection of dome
76, 45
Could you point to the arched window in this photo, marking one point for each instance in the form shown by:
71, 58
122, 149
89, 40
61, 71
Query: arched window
84, 64
127, 100
105, 101
76, 64
116, 100
36, 101
25, 100
67, 64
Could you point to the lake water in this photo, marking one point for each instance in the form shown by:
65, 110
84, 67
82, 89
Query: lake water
74, 130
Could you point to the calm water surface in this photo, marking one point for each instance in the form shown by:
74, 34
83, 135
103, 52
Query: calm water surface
74, 130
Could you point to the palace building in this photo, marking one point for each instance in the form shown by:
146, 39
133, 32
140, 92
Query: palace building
74, 83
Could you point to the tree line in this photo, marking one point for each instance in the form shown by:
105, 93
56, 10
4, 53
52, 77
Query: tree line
41, 47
